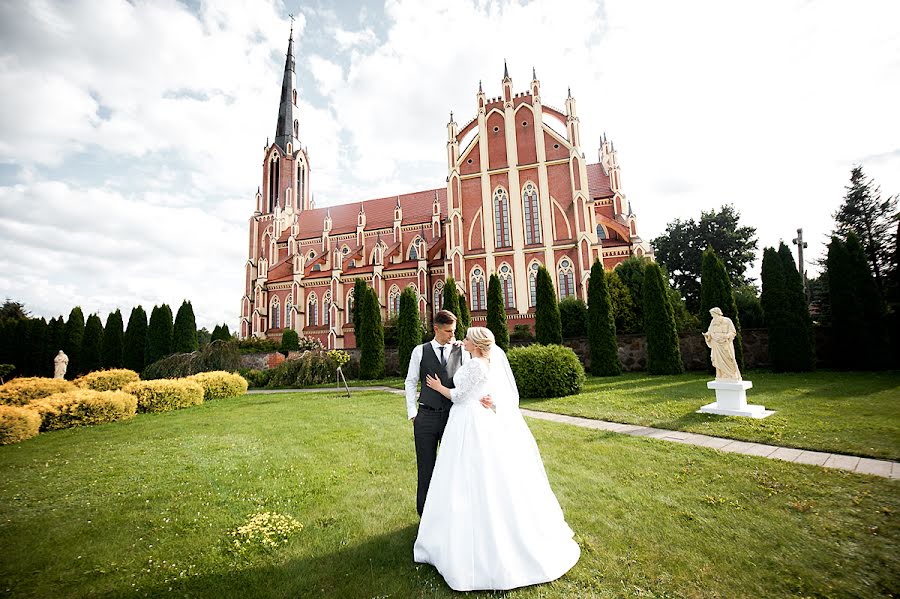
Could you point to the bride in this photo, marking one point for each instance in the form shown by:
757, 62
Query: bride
491, 520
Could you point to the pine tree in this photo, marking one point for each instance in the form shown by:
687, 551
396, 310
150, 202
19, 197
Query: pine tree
847, 324
409, 327
74, 337
359, 287
801, 341
159, 334
601, 326
56, 338
184, 333
24, 354
220, 333
716, 292
225, 333
43, 354
371, 337
496, 314
547, 324
465, 319
92, 345
113, 339
873, 352
663, 350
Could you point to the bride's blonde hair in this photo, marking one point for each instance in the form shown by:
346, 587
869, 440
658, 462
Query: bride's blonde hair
483, 339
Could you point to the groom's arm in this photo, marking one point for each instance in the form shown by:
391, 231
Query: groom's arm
412, 379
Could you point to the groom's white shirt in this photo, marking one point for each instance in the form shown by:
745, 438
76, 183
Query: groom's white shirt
412, 375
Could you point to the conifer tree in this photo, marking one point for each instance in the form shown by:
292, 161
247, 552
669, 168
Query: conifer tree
135, 342
224, 333
359, 287
159, 334
573, 314
290, 341
716, 292
547, 324
663, 350
496, 314
773, 300
873, 353
113, 339
847, 324
371, 337
409, 328
23, 348
74, 337
34, 346
464, 320
56, 337
601, 326
801, 341
623, 307
92, 345
184, 333
451, 297
43, 353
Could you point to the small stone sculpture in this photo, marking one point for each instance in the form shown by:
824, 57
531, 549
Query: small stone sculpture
720, 339
60, 363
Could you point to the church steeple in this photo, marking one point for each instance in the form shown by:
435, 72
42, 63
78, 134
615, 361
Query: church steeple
288, 128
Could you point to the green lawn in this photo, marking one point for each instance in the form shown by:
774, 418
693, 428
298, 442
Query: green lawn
144, 507
845, 412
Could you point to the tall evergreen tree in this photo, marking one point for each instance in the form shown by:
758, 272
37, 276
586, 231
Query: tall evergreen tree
847, 324
496, 313
92, 345
601, 326
113, 341
663, 349
359, 287
184, 332
409, 327
716, 292
465, 319
135, 343
371, 337
623, 307
74, 337
451, 299
547, 324
33, 341
874, 351
225, 333
774, 305
801, 338
159, 333
44, 353
56, 337
631, 273
290, 341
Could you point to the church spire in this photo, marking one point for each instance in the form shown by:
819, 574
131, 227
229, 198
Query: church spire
287, 128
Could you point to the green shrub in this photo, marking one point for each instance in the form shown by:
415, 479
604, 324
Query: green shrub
165, 395
256, 378
546, 371
573, 316
220, 384
18, 424
216, 355
311, 368
20, 391
5, 371
290, 341
83, 407
107, 380
255, 345
521, 332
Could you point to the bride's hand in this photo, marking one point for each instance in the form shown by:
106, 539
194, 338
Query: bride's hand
434, 382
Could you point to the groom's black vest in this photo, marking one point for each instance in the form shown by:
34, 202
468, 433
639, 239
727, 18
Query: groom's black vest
431, 364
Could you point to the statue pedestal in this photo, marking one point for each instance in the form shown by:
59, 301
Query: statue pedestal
731, 400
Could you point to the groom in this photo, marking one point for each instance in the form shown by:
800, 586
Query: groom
440, 357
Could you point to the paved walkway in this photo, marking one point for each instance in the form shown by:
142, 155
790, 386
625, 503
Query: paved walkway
883, 468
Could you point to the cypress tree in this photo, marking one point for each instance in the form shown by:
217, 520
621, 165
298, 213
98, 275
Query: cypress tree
43, 356
773, 300
371, 337
220, 333
873, 353
451, 299
359, 287
624, 312
74, 337
134, 346
547, 324
496, 314
92, 345
801, 350
573, 317
465, 319
631, 273
184, 333
409, 328
22, 354
33, 350
113, 341
56, 336
224, 333
663, 350
847, 324
716, 292
601, 326
159, 334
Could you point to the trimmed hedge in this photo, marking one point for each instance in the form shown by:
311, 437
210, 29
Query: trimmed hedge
18, 424
20, 391
220, 384
83, 407
546, 371
107, 380
165, 395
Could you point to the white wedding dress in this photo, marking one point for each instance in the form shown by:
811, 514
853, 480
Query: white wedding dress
491, 520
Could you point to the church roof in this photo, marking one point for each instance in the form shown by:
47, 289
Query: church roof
283, 271
598, 181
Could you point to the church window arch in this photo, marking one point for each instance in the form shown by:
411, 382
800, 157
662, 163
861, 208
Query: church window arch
566, 278
296, 128
317, 267
506, 286
414, 248
478, 289
275, 313
501, 218
326, 309
312, 310
288, 312
294, 97
394, 302
532, 213
349, 304
438, 296
601, 232
532, 281
274, 181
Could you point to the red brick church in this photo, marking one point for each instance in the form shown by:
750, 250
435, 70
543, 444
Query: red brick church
519, 194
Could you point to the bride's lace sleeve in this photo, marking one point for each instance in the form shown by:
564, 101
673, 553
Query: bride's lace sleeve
470, 377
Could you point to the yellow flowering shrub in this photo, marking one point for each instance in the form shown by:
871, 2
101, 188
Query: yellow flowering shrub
18, 424
20, 391
83, 407
107, 380
163, 395
264, 530
219, 384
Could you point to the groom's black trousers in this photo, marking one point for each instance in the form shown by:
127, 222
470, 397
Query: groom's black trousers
428, 429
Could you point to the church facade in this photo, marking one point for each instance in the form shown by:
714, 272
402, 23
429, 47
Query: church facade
519, 194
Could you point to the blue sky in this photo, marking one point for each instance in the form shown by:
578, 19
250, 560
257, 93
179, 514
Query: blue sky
131, 133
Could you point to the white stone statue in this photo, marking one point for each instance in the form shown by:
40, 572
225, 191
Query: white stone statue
720, 339
60, 363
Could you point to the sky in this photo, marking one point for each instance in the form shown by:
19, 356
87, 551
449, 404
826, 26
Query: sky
132, 132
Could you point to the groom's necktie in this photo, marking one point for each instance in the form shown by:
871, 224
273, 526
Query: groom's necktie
443, 363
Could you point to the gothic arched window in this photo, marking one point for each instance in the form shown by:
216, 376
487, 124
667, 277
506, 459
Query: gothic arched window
506, 285
394, 302
566, 278
532, 282
532, 214
275, 313
501, 218
288, 308
301, 176
326, 309
296, 128
438, 296
274, 182
414, 249
312, 311
478, 291
350, 304
601, 233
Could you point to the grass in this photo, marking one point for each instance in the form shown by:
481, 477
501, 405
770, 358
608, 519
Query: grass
845, 412
144, 507
395, 382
